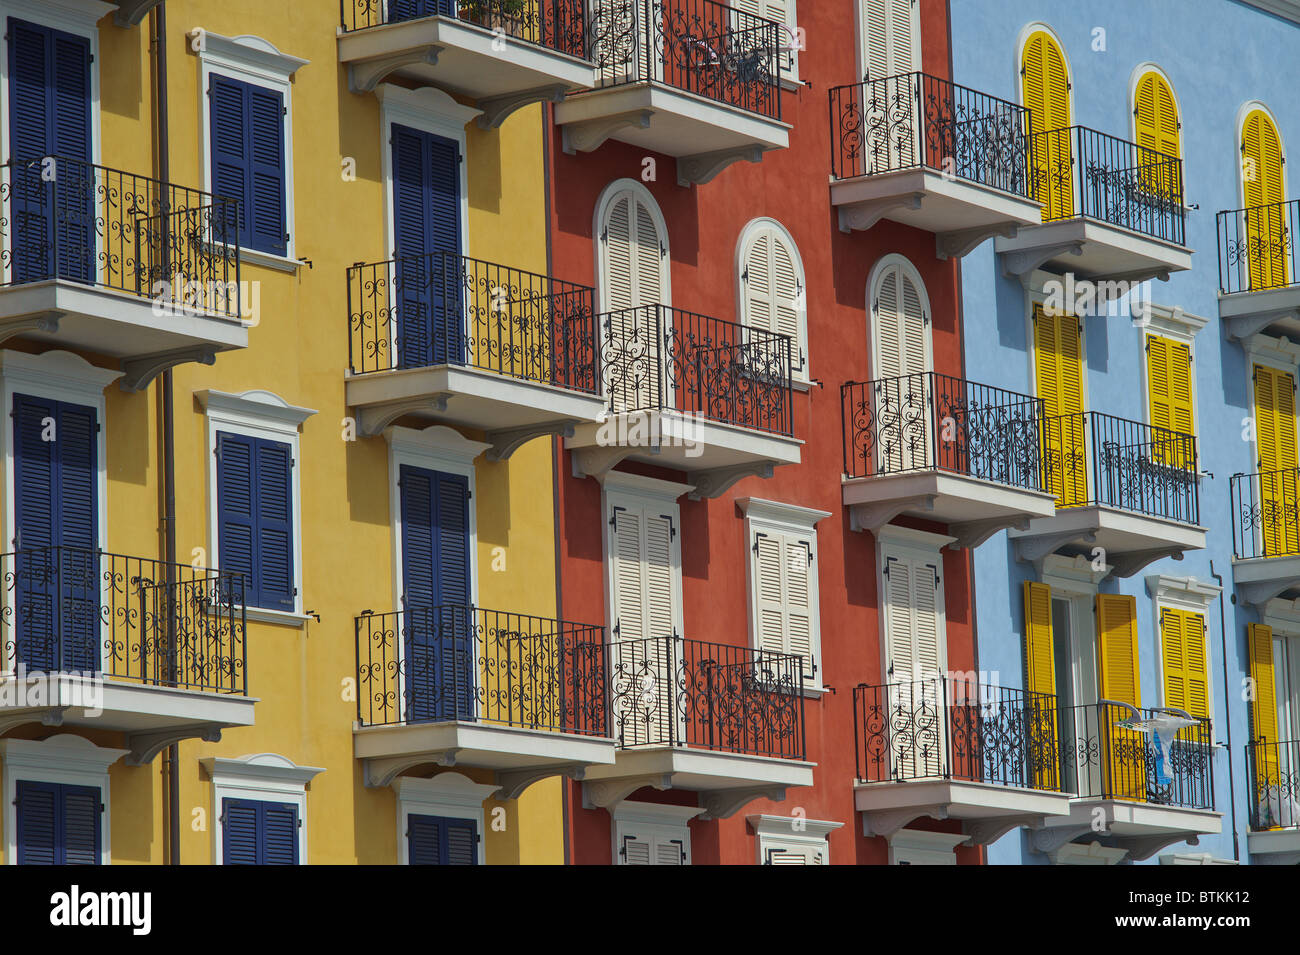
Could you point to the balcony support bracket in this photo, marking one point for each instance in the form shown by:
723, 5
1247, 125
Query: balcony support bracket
724, 803
985, 832
606, 793
497, 108
373, 421
596, 462
1241, 327
863, 215
1259, 593
515, 782
872, 517
1050, 840
955, 245
145, 746
1034, 549
137, 373
53, 716
712, 483
698, 169
1142, 848
365, 75
507, 441
590, 135
974, 533
1126, 565
887, 822
1022, 262
47, 322
381, 771
130, 13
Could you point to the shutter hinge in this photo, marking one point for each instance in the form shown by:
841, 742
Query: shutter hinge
284, 111
459, 158
756, 537
295, 591
299, 823
469, 495
672, 529
663, 249
92, 58
935, 570
98, 426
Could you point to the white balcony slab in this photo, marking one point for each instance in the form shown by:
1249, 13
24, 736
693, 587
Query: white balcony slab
1260, 579
460, 57
151, 717
1275, 311
1274, 847
705, 136
960, 213
520, 756
1129, 540
987, 811
1090, 248
974, 507
1141, 828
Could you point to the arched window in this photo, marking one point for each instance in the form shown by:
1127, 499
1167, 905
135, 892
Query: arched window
898, 312
1045, 91
1263, 194
772, 286
631, 248
1155, 115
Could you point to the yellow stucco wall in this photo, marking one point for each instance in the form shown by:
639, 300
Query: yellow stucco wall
299, 350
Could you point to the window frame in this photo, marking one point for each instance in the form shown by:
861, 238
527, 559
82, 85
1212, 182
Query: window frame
608, 196
449, 795
874, 279
263, 777
1188, 594
1178, 326
258, 414
256, 61
779, 832
906, 543
801, 356
653, 820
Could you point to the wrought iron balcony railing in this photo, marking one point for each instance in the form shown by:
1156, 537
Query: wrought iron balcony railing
1093, 458
658, 358
1081, 172
456, 662
447, 309
126, 619
915, 120
1266, 514
667, 691
935, 422
1257, 247
1102, 759
949, 727
1274, 768
558, 25
79, 222
698, 46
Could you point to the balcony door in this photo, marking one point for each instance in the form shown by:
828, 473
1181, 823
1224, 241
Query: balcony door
1045, 92
889, 45
902, 402
428, 293
1275, 726
1278, 459
1268, 238
889, 38
50, 119
1058, 374
648, 695
439, 645
56, 514
914, 663
1123, 751
632, 252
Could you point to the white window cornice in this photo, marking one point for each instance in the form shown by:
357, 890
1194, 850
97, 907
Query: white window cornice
258, 408
61, 370
1184, 593
784, 826
438, 443
448, 795
791, 516
1071, 574
1282, 615
1278, 352
425, 106
653, 813
75, 16
639, 485
245, 53
265, 777
911, 537
1171, 321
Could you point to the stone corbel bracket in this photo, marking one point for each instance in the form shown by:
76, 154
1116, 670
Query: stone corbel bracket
591, 134
974, 533
956, 245
137, 373
47, 322
514, 783
382, 771
365, 75
497, 108
887, 822
698, 169
507, 441
873, 516
1022, 263
712, 483
606, 793
863, 215
724, 803
145, 746
373, 421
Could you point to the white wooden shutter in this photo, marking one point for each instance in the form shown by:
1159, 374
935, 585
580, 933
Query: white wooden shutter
784, 596
773, 288
670, 851
661, 617
655, 846
627, 570
900, 662
637, 850
634, 274
618, 280
799, 595
914, 653
889, 35
792, 853
779, 11
770, 592
650, 258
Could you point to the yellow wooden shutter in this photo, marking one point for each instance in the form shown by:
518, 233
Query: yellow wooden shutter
1047, 96
1156, 124
1169, 390
1267, 234
1182, 644
1263, 711
1058, 368
1040, 668
1117, 648
1275, 437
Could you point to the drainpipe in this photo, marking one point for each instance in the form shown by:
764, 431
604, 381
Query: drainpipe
1227, 717
158, 21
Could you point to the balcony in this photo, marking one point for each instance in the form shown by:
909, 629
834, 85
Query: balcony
944, 449
1151, 793
1265, 534
693, 79
481, 345
726, 722
930, 154
1112, 210
1130, 489
504, 54
1274, 767
948, 748
118, 264
522, 696
693, 393
1259, 290
102, 641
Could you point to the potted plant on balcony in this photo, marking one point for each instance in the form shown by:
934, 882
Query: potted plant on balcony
511, 16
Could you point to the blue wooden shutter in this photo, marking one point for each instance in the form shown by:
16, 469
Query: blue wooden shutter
419, 592
462, 842
236, 518
81, 812
29, 71
411, 249
440, 840
230, 160
74, 184
279, 825
38, 813
274, 542
456, 638
413, 9
266, 185
77, 516
239, 832
443, 230
35, 505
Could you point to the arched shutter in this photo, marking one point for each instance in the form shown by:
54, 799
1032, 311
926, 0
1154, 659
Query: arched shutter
635, 272
1267, 234
772, 285
1047, 96
1156, 116
1275, 439
902, 333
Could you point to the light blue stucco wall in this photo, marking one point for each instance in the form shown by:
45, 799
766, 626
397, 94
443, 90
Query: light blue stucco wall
1218, 55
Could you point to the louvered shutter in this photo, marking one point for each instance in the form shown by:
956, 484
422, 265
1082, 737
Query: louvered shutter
462, 842
230, 148
81, 814
1058, 373
77, 517
36, 512
784, 595
618, 283
1275, 437
236, 511
1118, 648
914, 655
274, 506
416, 490
413, 270
1169, 387
772, 287
1263, 674
70, 139
444, 235
902, 326
1267, 227
456, 637
1156, 116
266, 172
38, 823
239, 832
770, 592
636, 850
627, 571
413, 9
1046, 94
776, 11
799, 595
670, 851
888, 32
1182, 644
279, 834
424, 840
1040, 665
634, 276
